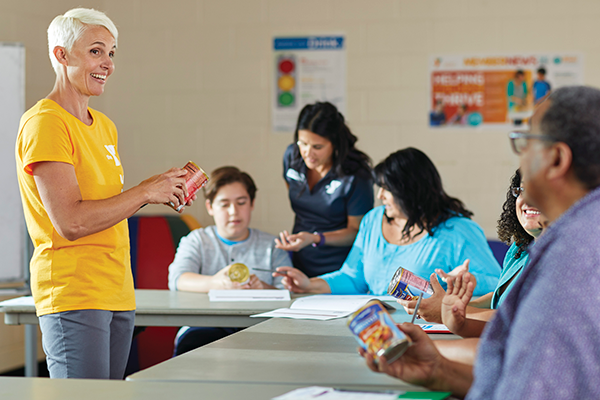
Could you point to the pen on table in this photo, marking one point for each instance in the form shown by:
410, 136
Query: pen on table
270, 270
416, 308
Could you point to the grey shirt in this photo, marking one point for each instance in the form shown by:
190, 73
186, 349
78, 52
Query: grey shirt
202, 252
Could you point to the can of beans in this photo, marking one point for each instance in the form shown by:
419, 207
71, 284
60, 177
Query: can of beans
195, 179
377, 333
407, 286
238, 272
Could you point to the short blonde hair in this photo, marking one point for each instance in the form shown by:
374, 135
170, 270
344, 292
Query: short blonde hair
64, 30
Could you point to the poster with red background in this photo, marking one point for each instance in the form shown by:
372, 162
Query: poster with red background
479, 91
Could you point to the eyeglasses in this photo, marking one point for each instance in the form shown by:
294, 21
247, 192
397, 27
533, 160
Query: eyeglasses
518, 140
517, 191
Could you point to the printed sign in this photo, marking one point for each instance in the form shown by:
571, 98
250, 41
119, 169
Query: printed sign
496, 90
307, 69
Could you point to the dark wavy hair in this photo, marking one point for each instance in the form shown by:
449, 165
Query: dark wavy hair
410, 176
509, 228
326, 121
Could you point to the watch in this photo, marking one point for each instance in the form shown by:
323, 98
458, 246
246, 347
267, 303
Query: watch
321, 239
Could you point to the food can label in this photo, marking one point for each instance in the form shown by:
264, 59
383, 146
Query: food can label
195, 180
376, 332
407, 286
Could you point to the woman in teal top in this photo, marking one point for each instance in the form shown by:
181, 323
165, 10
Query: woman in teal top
419, 227
520, 224
512, 266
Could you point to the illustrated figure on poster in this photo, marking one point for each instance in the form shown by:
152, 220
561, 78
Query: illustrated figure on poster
437, 116
541, 87
461, 116
517, 93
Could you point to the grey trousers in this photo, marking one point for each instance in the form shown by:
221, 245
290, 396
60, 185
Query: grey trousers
90, 344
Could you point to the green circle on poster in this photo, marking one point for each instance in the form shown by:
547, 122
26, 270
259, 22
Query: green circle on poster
286, 98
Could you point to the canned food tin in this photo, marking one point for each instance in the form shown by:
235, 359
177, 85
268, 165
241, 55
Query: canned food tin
195, 179
407, 286
376, 332
238, 272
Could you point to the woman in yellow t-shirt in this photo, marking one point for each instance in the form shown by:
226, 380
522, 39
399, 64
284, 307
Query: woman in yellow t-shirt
71, 182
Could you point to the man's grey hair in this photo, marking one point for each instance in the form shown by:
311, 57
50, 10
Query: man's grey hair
573, 117
64, 30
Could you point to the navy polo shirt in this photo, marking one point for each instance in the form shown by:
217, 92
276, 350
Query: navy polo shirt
326, 208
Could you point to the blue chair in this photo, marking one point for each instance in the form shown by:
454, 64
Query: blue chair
499, 250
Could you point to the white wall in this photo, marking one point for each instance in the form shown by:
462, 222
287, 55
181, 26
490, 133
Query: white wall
193, 80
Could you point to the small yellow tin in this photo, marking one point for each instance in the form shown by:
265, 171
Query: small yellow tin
238, 272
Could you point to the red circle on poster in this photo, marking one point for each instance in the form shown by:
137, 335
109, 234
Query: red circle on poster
286, 66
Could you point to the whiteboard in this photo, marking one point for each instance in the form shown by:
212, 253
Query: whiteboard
12, 106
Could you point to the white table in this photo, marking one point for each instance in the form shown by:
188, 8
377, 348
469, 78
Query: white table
66, 389
155, 308
283, 351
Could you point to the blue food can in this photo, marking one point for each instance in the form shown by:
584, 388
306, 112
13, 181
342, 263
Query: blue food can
376, 332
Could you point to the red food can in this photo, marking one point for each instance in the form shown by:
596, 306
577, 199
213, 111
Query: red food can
195, 180
407, 286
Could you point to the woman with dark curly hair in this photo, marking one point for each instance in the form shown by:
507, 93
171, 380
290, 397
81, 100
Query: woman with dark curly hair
419, 227
520, 224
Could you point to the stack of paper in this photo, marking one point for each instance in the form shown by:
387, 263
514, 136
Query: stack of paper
249, 295
323, 307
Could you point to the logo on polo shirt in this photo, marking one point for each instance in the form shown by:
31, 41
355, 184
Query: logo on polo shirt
113, 154
295, 175
333, 185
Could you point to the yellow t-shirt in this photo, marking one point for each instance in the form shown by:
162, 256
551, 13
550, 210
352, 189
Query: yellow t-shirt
93, 272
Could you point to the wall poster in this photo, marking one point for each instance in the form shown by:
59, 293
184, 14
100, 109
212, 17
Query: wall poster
306, 69
498, 89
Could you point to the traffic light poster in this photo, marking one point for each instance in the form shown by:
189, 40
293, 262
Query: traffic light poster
498, 90
306, 69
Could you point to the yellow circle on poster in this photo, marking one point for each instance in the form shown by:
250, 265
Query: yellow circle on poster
286, 83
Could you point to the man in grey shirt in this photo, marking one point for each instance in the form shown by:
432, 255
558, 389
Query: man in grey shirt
544, 341
204, 256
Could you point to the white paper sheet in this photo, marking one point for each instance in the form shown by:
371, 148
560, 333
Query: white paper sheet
327, 393
18, 301
435, 328
249, 295
322, 307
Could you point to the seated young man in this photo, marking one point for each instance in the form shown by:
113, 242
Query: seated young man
205, 255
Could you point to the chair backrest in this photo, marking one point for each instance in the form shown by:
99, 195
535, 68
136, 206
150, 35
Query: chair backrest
154, 240
499, 250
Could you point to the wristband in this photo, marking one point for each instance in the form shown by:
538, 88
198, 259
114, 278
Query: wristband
321, 239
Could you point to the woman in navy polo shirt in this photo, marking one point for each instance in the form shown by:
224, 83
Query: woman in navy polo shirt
330, 186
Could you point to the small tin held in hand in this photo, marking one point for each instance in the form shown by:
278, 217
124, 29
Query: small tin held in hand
238, 272
195, 179
407, 286
377, 333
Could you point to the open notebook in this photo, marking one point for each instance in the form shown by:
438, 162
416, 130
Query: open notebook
324, 306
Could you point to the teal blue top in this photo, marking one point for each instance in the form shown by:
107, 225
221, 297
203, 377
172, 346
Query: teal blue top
511, 267
372, 261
